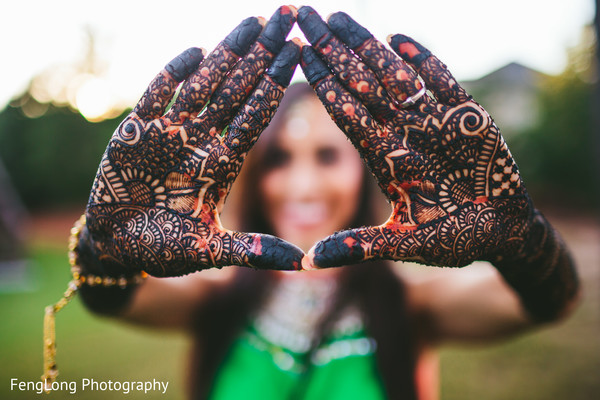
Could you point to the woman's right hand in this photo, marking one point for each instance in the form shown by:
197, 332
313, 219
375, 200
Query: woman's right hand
164, 177
455, 190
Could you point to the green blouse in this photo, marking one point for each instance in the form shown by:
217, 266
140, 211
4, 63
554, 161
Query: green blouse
343, 367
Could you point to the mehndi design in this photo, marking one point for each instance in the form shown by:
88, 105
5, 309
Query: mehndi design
164, 177
454, 187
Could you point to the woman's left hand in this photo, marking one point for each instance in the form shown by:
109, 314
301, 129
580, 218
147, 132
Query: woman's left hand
166, 173
455, 189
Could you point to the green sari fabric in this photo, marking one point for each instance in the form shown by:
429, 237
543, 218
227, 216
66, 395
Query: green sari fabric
343, 367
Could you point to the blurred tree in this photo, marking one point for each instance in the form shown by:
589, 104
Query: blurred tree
52, 159
51, 152
557, 155
12, 214
596, 102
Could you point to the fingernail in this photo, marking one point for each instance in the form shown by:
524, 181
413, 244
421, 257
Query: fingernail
240, 39
313, 27
290, 8
277, 29
348, 30
307, 263
314, 68
283, 67
298, 41
185, 63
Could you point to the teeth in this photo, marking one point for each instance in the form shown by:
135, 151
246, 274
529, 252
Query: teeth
305, 213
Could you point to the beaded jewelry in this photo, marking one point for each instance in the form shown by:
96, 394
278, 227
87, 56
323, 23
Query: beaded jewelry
79, 279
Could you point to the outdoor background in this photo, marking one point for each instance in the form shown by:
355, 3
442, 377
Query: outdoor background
68, 84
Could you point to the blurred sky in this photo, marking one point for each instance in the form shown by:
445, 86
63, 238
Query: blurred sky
136, 38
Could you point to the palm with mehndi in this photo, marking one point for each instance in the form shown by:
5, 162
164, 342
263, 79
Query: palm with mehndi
454, 187
164, 177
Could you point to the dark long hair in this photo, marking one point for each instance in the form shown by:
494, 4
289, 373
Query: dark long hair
373, 286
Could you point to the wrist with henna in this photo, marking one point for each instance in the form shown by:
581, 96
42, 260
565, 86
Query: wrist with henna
99, 298
542, 272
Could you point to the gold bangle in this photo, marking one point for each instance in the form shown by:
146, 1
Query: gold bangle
79, 279
90, 279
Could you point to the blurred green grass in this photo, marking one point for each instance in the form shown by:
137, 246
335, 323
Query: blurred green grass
562, 362
88, 346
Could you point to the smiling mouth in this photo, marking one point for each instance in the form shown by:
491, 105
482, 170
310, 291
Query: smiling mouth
305, 214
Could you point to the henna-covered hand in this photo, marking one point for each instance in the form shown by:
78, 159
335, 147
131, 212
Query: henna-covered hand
164, 177
455, 190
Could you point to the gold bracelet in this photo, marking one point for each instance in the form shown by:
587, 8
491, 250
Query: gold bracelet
79, 279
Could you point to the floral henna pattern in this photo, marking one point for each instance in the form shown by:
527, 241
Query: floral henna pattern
350, 70
155, 203
455, 190
198, 87
231, 94
454, 187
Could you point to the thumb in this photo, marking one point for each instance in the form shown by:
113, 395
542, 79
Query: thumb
260, 251
354, 246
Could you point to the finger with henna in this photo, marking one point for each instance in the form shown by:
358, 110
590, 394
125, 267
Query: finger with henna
437, 77
197, 89
348, 113
260, 251
162, 88
397, 77
244, 77
350, 70
260, 107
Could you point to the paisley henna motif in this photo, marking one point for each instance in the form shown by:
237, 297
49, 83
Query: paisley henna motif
162, 181
455, 190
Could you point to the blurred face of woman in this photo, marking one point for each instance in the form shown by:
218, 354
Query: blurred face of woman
312, 186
